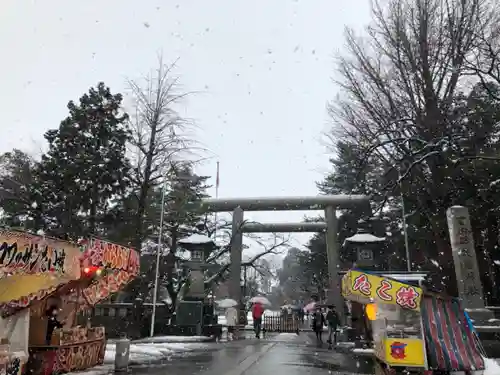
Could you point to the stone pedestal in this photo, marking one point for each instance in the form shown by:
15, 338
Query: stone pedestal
197, 282
470, 289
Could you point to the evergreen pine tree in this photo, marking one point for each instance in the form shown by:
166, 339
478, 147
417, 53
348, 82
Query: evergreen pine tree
85, 165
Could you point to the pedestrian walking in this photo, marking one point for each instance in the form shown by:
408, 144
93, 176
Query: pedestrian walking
257, 312
332, 319
318, 322
231, 321
301, 314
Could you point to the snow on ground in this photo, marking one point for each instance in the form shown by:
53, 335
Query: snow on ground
491, 367
150, 352
173, 339
97, 370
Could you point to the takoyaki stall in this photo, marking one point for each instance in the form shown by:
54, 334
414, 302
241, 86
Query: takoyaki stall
413, 329
54, 340
31, 269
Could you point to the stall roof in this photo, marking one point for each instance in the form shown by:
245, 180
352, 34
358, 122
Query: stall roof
397, 275
414, 276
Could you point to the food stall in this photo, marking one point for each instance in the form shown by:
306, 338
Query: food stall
31, 268
93, 270
412, 329
105, 269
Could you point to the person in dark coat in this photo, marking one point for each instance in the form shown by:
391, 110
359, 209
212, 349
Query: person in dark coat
332, 318
301, 314
318, 322
52, 323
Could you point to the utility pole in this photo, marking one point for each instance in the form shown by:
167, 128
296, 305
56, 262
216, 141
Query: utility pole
158, 253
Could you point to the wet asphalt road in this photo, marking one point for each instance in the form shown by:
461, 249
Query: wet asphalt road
280, 354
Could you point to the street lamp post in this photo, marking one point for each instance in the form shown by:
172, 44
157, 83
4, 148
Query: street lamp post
158, 252
192, 178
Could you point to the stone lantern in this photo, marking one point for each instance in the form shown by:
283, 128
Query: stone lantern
200, 247
365, 249
194, 310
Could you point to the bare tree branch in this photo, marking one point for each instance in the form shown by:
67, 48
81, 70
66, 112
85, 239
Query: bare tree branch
160, 135
275, 246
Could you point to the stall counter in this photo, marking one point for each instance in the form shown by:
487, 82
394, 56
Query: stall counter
73, 349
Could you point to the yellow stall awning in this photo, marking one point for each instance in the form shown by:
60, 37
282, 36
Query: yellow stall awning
32, 267
19, 290
367, 288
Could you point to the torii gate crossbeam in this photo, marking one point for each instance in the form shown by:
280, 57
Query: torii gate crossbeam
328, 203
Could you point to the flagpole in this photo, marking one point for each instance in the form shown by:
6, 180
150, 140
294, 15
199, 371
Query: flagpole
217, 181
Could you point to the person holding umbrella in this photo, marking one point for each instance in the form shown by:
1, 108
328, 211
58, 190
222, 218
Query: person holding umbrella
231, 321
231, 313
318, 322
257, 312
332, 318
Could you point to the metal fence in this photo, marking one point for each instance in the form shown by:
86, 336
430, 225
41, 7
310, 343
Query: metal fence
123, 319
280, 324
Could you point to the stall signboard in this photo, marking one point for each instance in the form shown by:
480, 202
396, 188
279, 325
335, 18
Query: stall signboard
25, 253
32, 267
366, 288
403, 352
106, 254
121, 266
109, 284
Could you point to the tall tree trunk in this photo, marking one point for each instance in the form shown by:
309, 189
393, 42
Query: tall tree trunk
93, 211
144, 192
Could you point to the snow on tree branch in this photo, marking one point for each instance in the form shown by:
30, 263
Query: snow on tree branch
274, 243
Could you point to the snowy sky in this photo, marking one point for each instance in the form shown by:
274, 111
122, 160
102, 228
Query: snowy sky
263, 70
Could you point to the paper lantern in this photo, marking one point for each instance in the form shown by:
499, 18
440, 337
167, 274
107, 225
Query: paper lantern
371, 311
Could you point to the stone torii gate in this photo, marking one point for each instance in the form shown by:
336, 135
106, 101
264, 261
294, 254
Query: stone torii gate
328, 203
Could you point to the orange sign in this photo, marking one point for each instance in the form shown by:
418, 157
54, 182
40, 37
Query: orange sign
24, 253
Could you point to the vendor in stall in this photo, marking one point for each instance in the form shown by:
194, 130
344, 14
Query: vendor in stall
52, 322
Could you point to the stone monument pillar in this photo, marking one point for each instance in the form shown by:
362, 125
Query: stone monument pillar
470, 289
